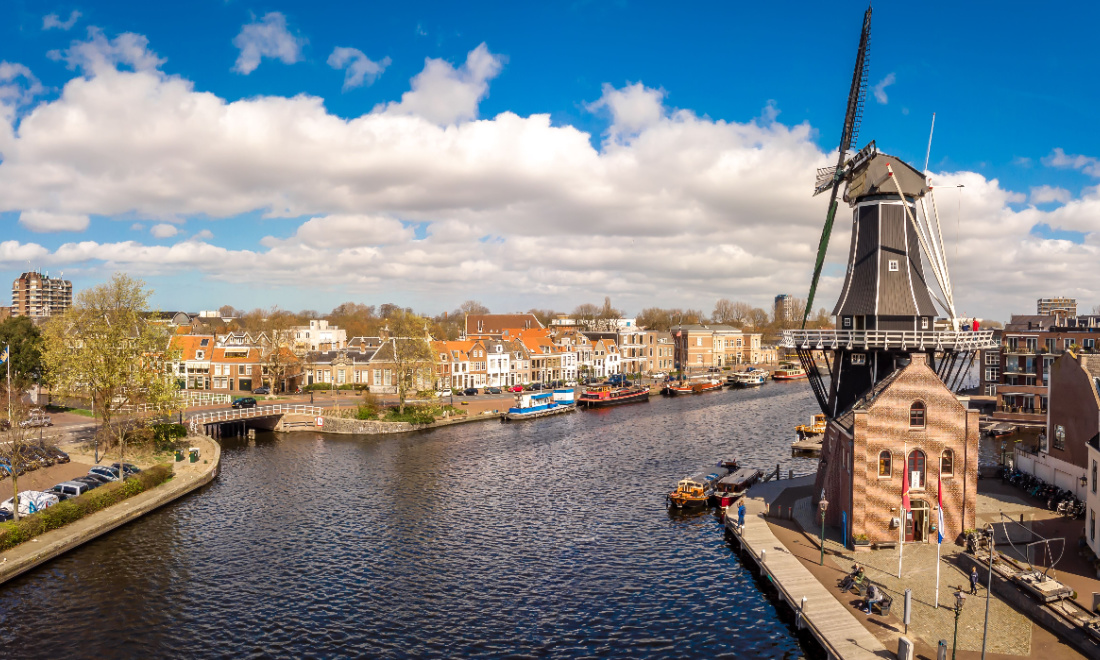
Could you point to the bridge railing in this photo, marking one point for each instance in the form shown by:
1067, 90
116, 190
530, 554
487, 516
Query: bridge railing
216, 416
903, 339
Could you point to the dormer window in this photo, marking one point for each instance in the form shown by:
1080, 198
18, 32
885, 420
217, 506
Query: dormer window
204, 342
199, 355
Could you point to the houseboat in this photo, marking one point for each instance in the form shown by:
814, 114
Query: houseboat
530, 405
788, 371
606, 396
697, 490
748, 378
731, 488
694, 386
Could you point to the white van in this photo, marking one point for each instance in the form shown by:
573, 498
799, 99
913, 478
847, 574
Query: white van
30, 501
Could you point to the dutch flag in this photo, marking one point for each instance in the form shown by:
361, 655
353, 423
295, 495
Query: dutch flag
939, 498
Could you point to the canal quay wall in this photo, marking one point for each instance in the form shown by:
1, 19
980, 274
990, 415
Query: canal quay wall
833, 626
187, 478
344, 426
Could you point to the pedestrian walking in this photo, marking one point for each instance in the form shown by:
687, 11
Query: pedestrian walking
973, 580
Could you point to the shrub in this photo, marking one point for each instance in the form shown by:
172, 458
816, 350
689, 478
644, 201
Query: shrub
413, 415
370, 407
57, 516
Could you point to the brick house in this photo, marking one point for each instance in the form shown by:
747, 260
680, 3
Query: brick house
908, 421
236, 369
495, 325
659, 351
191, 366
694, 347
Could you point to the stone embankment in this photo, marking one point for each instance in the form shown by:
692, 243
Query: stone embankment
345, 426
187, 478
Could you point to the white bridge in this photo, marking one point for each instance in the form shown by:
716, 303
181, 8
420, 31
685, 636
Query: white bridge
239, 414
825, 340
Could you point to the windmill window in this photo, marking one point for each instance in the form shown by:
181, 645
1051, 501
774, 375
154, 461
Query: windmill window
916, 469
924, 323
859, 358
847, 321
916, 415
884, 469
893, 265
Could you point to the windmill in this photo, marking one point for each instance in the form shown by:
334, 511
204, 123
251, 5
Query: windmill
886, 309
830, 178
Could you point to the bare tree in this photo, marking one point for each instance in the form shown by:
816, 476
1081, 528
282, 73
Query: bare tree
228, 311
586, 312
758, 318
411, 352
607, 311
279, 357
471, 307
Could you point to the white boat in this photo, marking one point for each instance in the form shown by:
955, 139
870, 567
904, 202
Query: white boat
530, 405
749, 378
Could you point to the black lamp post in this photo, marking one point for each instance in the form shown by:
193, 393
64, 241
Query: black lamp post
823, 505
960, 600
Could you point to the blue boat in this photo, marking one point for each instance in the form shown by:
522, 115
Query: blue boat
530, 405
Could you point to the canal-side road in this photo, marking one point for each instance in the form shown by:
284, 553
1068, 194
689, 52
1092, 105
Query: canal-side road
187, 477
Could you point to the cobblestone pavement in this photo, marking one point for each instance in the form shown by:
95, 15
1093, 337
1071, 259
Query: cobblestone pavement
1009, 631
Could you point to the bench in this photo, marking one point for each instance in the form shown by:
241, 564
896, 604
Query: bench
883, 606
886, 545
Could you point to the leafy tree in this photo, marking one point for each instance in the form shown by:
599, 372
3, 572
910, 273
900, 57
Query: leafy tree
105, 346
25, 340
411, 353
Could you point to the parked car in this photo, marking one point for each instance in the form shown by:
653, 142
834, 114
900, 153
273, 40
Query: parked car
536, 386
660, 375
55, 453
69, 489
618, 380
37, 418
262, 390
129, 468
98, 479
244, 402
30, 501
37, 455
5, 516
110, 474
516, 388
90, 481
470, 391
492, 390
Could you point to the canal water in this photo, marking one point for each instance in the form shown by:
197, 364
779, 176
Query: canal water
531, 539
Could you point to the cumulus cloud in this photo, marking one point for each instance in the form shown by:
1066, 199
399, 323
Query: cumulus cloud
164, 230
44, 221
445, 95
633, 108
1045, 194
358, 68
54, 22
880, 88
502, 205
1060, 159
18, 86
267, 37
99, 55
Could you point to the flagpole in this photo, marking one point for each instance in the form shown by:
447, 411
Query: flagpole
904, 491
7, 361
939, 535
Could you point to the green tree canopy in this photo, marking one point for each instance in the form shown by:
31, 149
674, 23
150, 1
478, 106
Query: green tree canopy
25, 340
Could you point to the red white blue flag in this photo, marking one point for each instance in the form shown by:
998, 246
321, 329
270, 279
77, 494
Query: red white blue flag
939, 498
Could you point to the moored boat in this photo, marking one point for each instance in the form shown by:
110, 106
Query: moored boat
748, 378
697, 490
530, 405
816, 427
694, 386
731, 488
788, 371
606, 396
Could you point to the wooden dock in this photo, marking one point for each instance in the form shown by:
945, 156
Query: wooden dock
833, 625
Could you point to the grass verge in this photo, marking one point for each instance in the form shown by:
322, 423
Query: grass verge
12, 533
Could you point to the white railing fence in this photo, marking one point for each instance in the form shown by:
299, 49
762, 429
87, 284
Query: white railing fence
215, 416
903, 339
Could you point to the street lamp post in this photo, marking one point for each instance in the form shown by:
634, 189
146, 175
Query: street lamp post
989, 584
824, 505
960, 600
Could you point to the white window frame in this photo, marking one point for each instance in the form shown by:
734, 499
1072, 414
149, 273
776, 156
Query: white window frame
892, 265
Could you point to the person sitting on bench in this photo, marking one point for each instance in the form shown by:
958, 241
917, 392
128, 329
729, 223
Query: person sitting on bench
873, 596
853, 578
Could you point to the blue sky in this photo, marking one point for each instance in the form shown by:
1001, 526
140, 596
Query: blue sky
703, 124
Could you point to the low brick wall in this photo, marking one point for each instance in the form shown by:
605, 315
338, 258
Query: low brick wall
26, 556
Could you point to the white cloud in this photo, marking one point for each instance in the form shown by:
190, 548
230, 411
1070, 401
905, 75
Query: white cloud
137, 226
633, 108
268, 37
18, 86
880, 88
53, 21
1060, 159
445, 95
99, 55
360, 69
1045, 194
44, 221
164, 230
672, 209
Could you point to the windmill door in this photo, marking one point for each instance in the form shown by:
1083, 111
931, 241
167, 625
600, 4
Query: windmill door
916, 522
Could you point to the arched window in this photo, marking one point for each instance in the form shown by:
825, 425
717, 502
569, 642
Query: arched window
916, 469
916, 415
884, 464
947, 463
